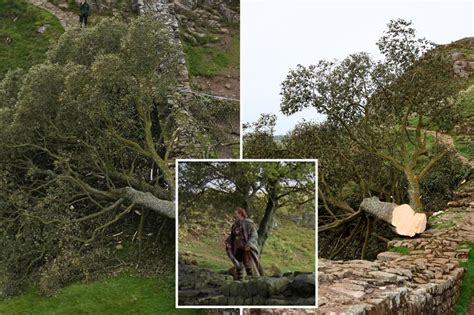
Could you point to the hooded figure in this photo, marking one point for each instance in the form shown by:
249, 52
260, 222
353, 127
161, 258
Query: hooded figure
84, 10
242, 245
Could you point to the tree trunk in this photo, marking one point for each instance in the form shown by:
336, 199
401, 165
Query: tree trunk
414, 191
148, 200
266, 223
405, 220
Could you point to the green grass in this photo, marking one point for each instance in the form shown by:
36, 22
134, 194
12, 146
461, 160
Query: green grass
438, 223
467, 102
464, 146
120, 295
467, 288
290, 247
213, 60
443, 225
400, 249
27, 47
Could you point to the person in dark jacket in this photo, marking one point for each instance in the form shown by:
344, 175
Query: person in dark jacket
84, 10
242, 245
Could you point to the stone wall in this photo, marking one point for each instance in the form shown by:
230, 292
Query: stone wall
462, 65
427, 280
199, 286
194, 138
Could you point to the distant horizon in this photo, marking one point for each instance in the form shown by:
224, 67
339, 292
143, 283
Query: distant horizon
278, 35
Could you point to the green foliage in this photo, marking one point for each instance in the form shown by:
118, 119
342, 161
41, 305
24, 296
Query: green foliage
465, 146
369, 144
75, 130
21, 46
352, 93
243, 182
258, 138
219, 120
9, 88
463, 140
467, 288
444, 178
83, 46
119, 295
400, 249
213, 60
467, 102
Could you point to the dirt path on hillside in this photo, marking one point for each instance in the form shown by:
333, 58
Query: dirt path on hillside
448, 141
67, 19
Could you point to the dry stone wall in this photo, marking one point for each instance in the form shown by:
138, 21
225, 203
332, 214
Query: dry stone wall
199, 286
194, 139
427, 280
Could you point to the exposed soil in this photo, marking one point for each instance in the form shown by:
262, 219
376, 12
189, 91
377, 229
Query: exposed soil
470, 308
220, 85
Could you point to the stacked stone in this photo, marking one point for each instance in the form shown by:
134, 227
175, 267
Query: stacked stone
194, 140
164, 12
178, 102
426, 281
199, 286
462, 67
196, 284
197, 19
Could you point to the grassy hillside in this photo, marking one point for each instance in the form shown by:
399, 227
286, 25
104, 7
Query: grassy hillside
289, 247
20, 43
464, 138
209, 60
120, 295
467, 289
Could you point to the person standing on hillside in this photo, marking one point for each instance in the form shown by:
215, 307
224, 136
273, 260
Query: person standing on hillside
242, 245
84, 10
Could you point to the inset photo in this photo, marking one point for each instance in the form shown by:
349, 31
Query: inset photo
246, 233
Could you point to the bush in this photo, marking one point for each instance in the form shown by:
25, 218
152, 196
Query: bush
437, 186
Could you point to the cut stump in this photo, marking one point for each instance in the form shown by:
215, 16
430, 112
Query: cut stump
406, 221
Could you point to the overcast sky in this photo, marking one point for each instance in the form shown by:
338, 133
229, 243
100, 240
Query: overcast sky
276, 35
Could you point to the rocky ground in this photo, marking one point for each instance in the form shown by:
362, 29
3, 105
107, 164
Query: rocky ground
211, 24
199, 286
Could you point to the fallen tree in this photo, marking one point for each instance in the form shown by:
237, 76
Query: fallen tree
405, 220
87, 146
